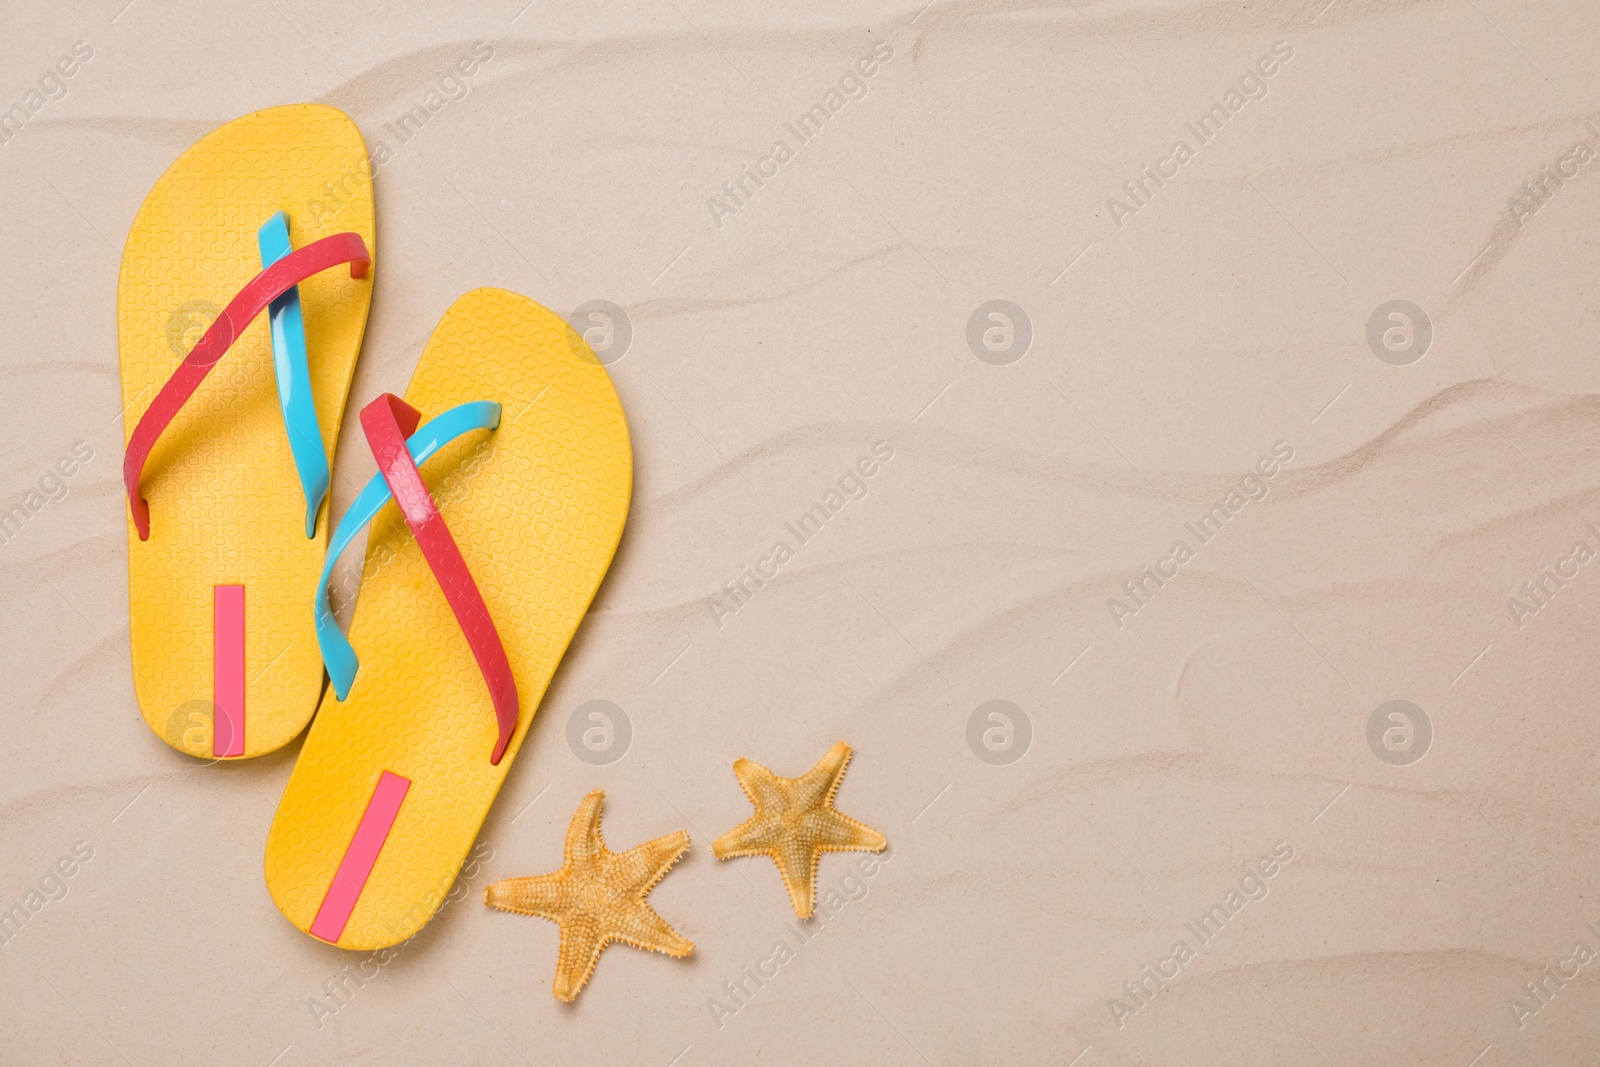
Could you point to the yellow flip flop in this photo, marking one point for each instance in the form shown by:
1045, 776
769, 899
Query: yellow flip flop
224, 534
473, 588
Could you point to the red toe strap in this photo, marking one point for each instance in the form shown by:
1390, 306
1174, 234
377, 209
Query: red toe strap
253, 299
387, 422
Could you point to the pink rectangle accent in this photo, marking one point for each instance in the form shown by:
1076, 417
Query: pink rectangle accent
227, 670
356, 867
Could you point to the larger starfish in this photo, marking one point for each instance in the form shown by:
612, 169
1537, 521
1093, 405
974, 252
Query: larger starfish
795, 823
597, 897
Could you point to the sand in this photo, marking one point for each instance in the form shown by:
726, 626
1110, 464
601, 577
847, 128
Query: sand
1192, 318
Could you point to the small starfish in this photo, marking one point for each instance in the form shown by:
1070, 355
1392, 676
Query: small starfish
795, 822
597, 897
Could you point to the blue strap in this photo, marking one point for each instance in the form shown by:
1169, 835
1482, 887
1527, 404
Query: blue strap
294, 376
434, 434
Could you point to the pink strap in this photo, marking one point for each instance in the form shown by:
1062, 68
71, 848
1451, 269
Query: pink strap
387, 422
241, 311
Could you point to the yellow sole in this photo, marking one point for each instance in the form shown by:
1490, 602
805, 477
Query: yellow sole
537, 508
226, 503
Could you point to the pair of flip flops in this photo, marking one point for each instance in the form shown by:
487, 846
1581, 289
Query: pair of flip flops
474, 582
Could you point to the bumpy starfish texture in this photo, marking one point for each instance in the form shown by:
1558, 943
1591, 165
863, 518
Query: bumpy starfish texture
597, 897
795, 822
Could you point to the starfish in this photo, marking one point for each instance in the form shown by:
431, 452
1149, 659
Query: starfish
597, 897
795, 822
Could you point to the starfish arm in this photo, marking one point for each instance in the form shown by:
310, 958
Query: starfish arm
753, 837
581, 943
840, 833
585, 849
816, 787
643, 928
641, 867
765, 789
548, 896
797, 863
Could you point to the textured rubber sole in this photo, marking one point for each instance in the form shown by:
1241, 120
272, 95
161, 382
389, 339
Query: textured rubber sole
226, 504
537, 507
